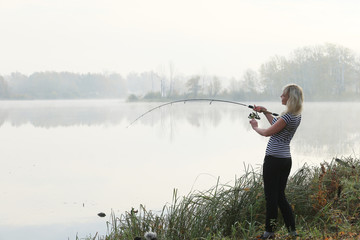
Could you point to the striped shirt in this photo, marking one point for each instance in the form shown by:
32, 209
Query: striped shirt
279, 143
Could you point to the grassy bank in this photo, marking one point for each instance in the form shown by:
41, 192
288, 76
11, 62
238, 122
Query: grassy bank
325, 198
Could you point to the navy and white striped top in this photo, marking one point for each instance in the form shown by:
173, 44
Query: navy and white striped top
279, 143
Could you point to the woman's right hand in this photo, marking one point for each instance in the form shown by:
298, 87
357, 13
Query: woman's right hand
254, 123
259, 109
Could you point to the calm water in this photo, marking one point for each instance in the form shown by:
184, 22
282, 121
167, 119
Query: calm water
62, 162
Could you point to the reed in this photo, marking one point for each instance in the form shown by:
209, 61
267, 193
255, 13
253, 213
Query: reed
326, 202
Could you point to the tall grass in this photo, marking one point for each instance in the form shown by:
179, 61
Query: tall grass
326, 201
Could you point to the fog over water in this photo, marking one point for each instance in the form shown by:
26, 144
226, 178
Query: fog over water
65, 161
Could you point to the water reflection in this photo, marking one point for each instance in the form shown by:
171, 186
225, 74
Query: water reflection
49, 114
328, 127
56, 113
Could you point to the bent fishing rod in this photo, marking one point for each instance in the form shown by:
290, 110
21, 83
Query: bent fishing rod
210, 100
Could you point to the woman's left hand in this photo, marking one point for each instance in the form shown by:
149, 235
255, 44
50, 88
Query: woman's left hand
254, 123
259, 109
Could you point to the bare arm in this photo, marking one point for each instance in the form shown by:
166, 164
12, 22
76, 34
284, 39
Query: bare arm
273, 129
269, 117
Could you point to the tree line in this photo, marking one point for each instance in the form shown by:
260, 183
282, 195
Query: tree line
61, 85
326, 72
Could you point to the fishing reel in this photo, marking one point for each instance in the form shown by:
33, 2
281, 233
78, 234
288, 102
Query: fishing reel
254, 115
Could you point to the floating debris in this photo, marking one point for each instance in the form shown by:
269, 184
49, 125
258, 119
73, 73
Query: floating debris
101, 214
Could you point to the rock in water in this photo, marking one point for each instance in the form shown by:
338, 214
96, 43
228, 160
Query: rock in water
101, 214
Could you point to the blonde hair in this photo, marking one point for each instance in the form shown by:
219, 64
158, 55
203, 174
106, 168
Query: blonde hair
296, 99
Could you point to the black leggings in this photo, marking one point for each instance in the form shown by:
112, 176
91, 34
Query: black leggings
275, 175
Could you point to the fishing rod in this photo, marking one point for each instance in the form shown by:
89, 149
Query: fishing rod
210, 100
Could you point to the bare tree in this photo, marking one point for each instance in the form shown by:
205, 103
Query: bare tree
171, 78
214, 87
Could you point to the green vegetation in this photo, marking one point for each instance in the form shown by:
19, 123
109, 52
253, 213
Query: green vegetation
326, 201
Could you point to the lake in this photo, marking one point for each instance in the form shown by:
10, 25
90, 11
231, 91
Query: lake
64, 161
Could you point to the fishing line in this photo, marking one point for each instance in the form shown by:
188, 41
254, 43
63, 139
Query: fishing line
210, 100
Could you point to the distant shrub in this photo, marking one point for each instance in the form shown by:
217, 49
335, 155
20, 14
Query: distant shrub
152, 96
133, 98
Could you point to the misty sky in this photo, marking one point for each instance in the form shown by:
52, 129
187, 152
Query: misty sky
221, 37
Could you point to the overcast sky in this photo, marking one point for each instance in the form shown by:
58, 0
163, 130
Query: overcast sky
221, 37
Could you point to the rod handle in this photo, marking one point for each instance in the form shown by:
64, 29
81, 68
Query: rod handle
274, 114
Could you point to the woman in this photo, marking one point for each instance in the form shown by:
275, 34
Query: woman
277, 162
